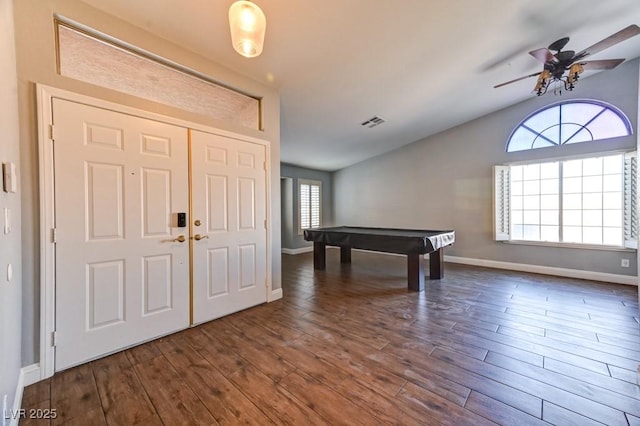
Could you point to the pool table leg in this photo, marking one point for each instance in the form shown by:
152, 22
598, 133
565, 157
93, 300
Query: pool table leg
415, 272
345, 254
436, 264
319, 256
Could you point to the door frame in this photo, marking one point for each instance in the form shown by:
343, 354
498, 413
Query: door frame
45, 95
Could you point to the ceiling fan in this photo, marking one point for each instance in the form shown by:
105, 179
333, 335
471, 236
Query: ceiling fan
556, 64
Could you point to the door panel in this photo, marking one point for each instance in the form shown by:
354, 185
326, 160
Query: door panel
104, 201
156, 202
218, 265
121, 278
216, 196
229, 198
156, 283
246, 204
248, 267
105, 298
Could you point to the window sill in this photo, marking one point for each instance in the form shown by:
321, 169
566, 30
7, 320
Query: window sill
570, 245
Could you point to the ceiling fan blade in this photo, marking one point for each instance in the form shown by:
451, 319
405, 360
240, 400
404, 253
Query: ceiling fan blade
620, 36
605, 64
543, 55
558, 45
514, 80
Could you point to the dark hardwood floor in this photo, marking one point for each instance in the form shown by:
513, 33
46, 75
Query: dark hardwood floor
350, 345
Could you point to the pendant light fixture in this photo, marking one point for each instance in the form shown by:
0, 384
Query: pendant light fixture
247, 24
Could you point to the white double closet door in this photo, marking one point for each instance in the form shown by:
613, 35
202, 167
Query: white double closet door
125, 272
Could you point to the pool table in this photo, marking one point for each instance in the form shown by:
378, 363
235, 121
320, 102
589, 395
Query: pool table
414, 243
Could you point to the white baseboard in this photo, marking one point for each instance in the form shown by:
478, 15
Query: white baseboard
14, 416
298, 250
28, 376
546, 270
31, 374
275, 295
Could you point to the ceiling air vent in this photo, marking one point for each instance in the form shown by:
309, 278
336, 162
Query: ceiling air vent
373, 122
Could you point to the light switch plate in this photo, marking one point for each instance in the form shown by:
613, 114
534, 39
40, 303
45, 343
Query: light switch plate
9, 177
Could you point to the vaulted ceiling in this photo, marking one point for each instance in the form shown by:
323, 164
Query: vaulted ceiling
422, 65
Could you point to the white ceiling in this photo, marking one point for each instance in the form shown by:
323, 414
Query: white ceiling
423, 65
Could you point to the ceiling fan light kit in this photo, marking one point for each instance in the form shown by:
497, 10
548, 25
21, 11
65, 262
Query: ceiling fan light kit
248, 25
555, 65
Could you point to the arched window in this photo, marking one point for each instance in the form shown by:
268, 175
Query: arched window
569, 122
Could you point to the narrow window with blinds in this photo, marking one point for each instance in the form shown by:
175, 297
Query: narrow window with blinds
310, 204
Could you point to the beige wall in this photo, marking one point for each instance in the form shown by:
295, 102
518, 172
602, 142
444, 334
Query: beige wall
10, 291
35, 43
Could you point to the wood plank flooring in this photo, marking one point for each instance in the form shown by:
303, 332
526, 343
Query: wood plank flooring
350, 345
